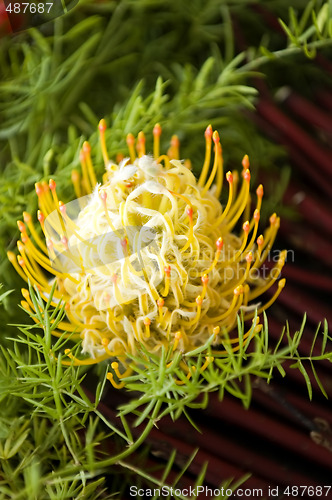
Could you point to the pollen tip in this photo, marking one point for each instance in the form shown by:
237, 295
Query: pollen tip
104, 342
245, 162
215, 137
86, 147
75, 176
199, 300
229, 177
219, 243
175, 141
21, 226
115, 365
11, 256
67, 306
141, 136
257, 215
21, 261
260, 240
273, 219
205, 279
160, 302
167, 270
52, 184
189, 211
102, 125
216, 330
114, 278
62, 207
64, 241
147, 321
26, 217
130, 139
103, 195
40, 216
157, 130
260, 191
178, 335
282, 283
249, 257
246, 227
39, 189
208, 132
238, 290
20, 246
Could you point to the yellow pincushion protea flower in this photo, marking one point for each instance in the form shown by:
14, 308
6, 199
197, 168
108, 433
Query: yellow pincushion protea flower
150, 256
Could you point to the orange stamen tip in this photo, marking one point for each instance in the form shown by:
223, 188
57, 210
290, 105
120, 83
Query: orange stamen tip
130, 139
175, 143
82, 156
21, 226
229, 177
157, 130
249, 257
246, 227
102, 125
167, 270
205, 279
52, 184
103, 195
245, 162
246, 175
282, 283
24, 238
40, 216
75, 176
219, 243
64, 241
67, 306
215, 137
257, 215
178, 335
199, 300
216, 330
25, 293
104, 342
49, 243
124, 243
26, 217
238, 290
189, 211
39, 189
114, 278
160, 302
141, 137
11, 256
260, 191
147, 321
273, 219
260, 240
20, 246
208, 132
62, 207
86, 148
115, 365
21, 261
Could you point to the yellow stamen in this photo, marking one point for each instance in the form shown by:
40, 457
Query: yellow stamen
102, 128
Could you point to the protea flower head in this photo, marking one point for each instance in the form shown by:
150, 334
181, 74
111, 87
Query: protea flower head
149, 256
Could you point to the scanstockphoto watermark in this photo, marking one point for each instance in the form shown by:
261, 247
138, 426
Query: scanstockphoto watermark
193, 492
